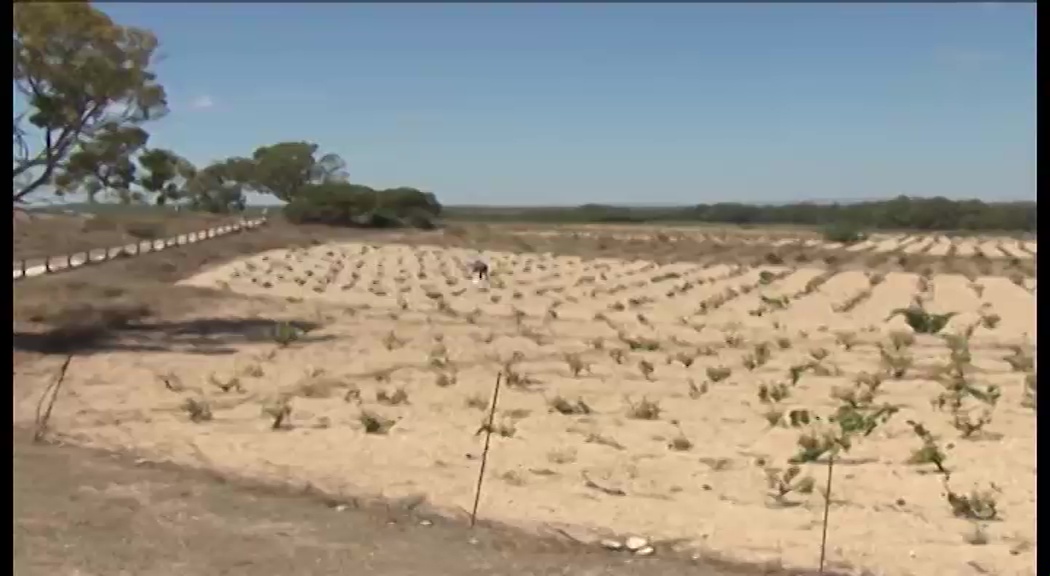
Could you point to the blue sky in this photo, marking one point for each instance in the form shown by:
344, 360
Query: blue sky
621, 103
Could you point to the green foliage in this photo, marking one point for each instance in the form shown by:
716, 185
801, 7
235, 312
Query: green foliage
87, 85
166, 175
285, 334
287, 169
856, 416
220, 187
104, 163
844, 233
921, 321
344, 204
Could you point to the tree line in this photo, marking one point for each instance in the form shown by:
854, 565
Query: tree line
900, 213
88, 90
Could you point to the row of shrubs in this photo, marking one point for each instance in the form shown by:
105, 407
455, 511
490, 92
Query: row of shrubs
356, 205
900, 213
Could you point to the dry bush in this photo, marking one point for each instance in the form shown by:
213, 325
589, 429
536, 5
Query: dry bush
644, 409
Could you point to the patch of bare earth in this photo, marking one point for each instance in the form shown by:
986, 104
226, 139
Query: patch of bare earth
93, 513
642, 396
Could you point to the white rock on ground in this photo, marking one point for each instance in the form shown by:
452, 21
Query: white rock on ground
636, 543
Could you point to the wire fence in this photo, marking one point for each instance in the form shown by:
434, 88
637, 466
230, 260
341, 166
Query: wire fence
29, 267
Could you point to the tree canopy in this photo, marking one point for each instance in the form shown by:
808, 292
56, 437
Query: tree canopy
87, 85
345, 204
86, 90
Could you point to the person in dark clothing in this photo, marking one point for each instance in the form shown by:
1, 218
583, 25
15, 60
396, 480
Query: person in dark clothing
479, 270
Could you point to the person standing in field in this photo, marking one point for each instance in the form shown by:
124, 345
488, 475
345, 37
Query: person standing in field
479, 269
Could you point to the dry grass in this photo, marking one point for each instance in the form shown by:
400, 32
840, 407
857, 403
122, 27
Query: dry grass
37, 235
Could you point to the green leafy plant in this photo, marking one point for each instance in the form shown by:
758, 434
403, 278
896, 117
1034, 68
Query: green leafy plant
957, 393
922, 321
856, 416
285, 334
844, 234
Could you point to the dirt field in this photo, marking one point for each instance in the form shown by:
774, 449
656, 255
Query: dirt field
647, 394
96, 514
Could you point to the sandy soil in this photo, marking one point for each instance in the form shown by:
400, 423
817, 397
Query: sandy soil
407, 318
89, 512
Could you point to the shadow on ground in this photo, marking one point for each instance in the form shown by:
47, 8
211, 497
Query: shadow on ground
130, 331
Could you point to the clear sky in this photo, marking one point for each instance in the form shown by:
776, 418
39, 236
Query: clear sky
621, 103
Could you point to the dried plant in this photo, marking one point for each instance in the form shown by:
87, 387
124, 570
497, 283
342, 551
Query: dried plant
897, 362
930, 452
846, 339
576, 364
644, 409
719, 373
280, 411
374, 423
391, 341
197, 409
646, 368
783, 483
392, 398
696, 391
563, 406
